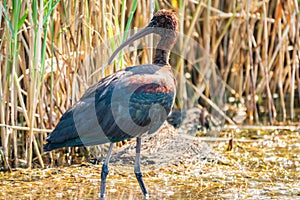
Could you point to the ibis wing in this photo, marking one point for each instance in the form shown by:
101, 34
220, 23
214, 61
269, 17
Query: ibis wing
80, 121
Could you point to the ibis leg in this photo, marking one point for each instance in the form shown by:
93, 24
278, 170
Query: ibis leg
105, 171
137, 168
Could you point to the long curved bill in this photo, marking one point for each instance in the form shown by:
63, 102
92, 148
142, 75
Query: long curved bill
146, 31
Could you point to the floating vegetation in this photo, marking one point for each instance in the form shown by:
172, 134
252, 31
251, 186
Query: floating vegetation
255, 168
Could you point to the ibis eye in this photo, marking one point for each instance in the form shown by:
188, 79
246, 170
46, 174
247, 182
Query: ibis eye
153, 23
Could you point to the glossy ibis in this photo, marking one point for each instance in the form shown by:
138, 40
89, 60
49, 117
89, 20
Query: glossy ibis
126, 104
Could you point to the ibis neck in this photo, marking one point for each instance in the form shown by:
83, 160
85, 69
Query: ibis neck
162, 51
161, 57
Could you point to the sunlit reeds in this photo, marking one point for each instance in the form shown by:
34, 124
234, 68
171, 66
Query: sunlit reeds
50, 52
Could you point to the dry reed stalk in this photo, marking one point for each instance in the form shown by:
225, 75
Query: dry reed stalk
265, 65
280, 65
295, 66
181, 89
2, 97
2, 119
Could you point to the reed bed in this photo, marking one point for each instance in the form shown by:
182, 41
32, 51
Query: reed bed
51, 51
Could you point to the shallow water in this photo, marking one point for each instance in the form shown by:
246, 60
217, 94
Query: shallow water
261, 165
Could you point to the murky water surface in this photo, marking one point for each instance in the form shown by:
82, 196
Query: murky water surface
260, 165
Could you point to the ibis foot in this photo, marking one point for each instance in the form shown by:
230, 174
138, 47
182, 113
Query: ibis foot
104, 172
139, 177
